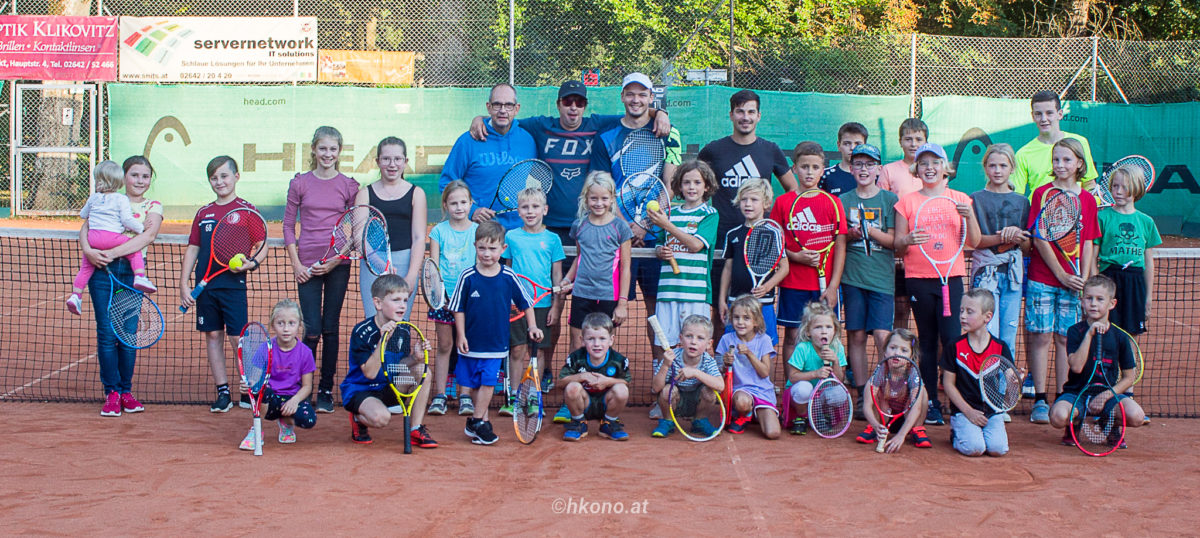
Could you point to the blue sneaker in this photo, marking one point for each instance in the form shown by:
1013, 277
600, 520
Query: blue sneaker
1027, 389
576, 430
613, 430
664, 428
703, 427
1040, 413
563, 415
934, 416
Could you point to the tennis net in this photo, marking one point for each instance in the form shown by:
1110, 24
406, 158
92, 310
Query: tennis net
46, 354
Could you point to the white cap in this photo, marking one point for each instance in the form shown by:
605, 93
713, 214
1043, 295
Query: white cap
637, 78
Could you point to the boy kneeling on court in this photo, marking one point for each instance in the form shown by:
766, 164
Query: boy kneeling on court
693, 369
365, 393
595, 382
1084, 339
976, 428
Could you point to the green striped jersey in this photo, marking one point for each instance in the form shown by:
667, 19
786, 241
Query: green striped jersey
691, 285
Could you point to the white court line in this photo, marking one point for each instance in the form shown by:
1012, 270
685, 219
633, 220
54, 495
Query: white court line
744, 484
45, 377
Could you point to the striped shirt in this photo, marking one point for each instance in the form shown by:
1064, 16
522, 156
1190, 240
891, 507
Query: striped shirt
691, 285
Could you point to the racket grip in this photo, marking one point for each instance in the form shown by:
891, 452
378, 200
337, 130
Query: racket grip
674, 266
407, 434
257, 436
195, 294
883, 434
823, 282
945, 301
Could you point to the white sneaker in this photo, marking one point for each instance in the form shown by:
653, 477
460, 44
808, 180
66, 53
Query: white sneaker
249, 442
74, 304
143, 284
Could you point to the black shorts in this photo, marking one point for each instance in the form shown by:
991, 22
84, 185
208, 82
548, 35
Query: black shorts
1130, 312
596, 407
221, 307
901, 286
518, 331
386, 396
581, 307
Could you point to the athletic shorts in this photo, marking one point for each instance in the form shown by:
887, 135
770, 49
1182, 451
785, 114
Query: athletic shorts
441, 315
596, 407
221, 308
792, 303
689, 401
518, 331
581, 307
759, 403
1070, 397
386, 396
474, 373
867, 309
671, 314
1050, 308
1130, 312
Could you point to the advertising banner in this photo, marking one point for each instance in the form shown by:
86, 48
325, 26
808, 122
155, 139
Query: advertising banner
218, 49
367, 66
36, 47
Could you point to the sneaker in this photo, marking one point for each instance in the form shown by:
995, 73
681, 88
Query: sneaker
868, 436
1040, 413
1145, 421
738, 425
934, 416
250, 441
112, 406
613, 430
506, 410
799, 426
143, 284
129, 404
547, 383
287, 434
244, 401
420, 438
1067, 439
920, 438
1006, 417
563, 415
74, 304
664, 428
358, 432
222, 404
1028, 391
325, 401
483, 433
575, 430
656, 412
437, 405
465, 406
472, 423
703, 427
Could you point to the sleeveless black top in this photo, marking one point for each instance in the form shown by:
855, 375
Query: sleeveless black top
398, 214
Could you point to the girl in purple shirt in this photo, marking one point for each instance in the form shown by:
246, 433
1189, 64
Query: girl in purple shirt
285, 397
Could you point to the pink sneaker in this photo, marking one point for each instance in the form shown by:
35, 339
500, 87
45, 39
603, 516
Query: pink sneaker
130, 404
143, 284
112, 407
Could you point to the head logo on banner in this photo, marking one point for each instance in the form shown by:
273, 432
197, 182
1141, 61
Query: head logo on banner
218, 49
42, 47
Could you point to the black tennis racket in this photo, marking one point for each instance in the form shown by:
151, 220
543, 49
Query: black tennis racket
530, 173
1136, 166
641, 153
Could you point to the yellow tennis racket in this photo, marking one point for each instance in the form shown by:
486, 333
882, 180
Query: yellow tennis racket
405, 369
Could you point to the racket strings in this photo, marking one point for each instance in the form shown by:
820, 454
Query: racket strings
400, 360
642, 153
763, 247
1059, 217
254, 346
135, 319
831, 409
432, 285
527, 408
376, 250
239, 232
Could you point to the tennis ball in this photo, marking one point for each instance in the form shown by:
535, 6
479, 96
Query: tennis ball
652, 205
237, 261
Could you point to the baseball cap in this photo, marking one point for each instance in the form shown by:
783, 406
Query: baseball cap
930, 147
572, 87
866, 150
637, 78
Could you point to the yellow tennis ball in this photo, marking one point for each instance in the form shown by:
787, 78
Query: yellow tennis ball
652, 205
237, 261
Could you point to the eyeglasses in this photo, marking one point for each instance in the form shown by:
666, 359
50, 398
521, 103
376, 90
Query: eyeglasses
577, 102
392, 160
509, 107
863, 166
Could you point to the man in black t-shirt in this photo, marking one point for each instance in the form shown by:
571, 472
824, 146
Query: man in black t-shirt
739, 156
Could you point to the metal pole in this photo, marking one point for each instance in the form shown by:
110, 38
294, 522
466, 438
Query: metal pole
1095, 54
732, 57
912, 79
512, 41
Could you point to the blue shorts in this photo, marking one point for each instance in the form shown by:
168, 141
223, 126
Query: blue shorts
643, 273
768, 313
867, 309
792, 303
1050, 308
1070, 397
221, 307
475, 373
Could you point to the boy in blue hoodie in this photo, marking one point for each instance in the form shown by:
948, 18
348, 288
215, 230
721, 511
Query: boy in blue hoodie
481, 164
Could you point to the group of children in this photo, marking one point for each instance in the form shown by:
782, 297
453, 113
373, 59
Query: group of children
876, 274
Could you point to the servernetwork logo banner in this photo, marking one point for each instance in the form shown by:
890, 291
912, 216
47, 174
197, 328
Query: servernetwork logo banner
218, 49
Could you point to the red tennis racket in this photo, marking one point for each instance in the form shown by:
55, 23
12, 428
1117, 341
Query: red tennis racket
346, 238
533, 291
240, 232
895, 387
1058, 223
814, 222
254, 363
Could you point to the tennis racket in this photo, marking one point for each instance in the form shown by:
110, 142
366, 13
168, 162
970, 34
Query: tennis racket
1137, 352
346, 238
938, 216
642, 153
404, 369
432, 287
762, 250
863, 217
134, 317
527, 410
1098, 416
808, 230
1000, 383
241, 231
1102, 189
376, 247
534, 291
1058, 223
530, 173
895, 387
831, 407
254, 364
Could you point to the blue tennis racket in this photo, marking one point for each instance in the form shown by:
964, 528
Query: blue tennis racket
134, 317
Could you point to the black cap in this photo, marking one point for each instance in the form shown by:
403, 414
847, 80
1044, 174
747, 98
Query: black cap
572, 87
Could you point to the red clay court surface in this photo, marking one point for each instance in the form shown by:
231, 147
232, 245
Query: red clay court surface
177, 470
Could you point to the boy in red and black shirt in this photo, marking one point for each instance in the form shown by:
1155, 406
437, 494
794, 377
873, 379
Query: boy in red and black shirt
976, 428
